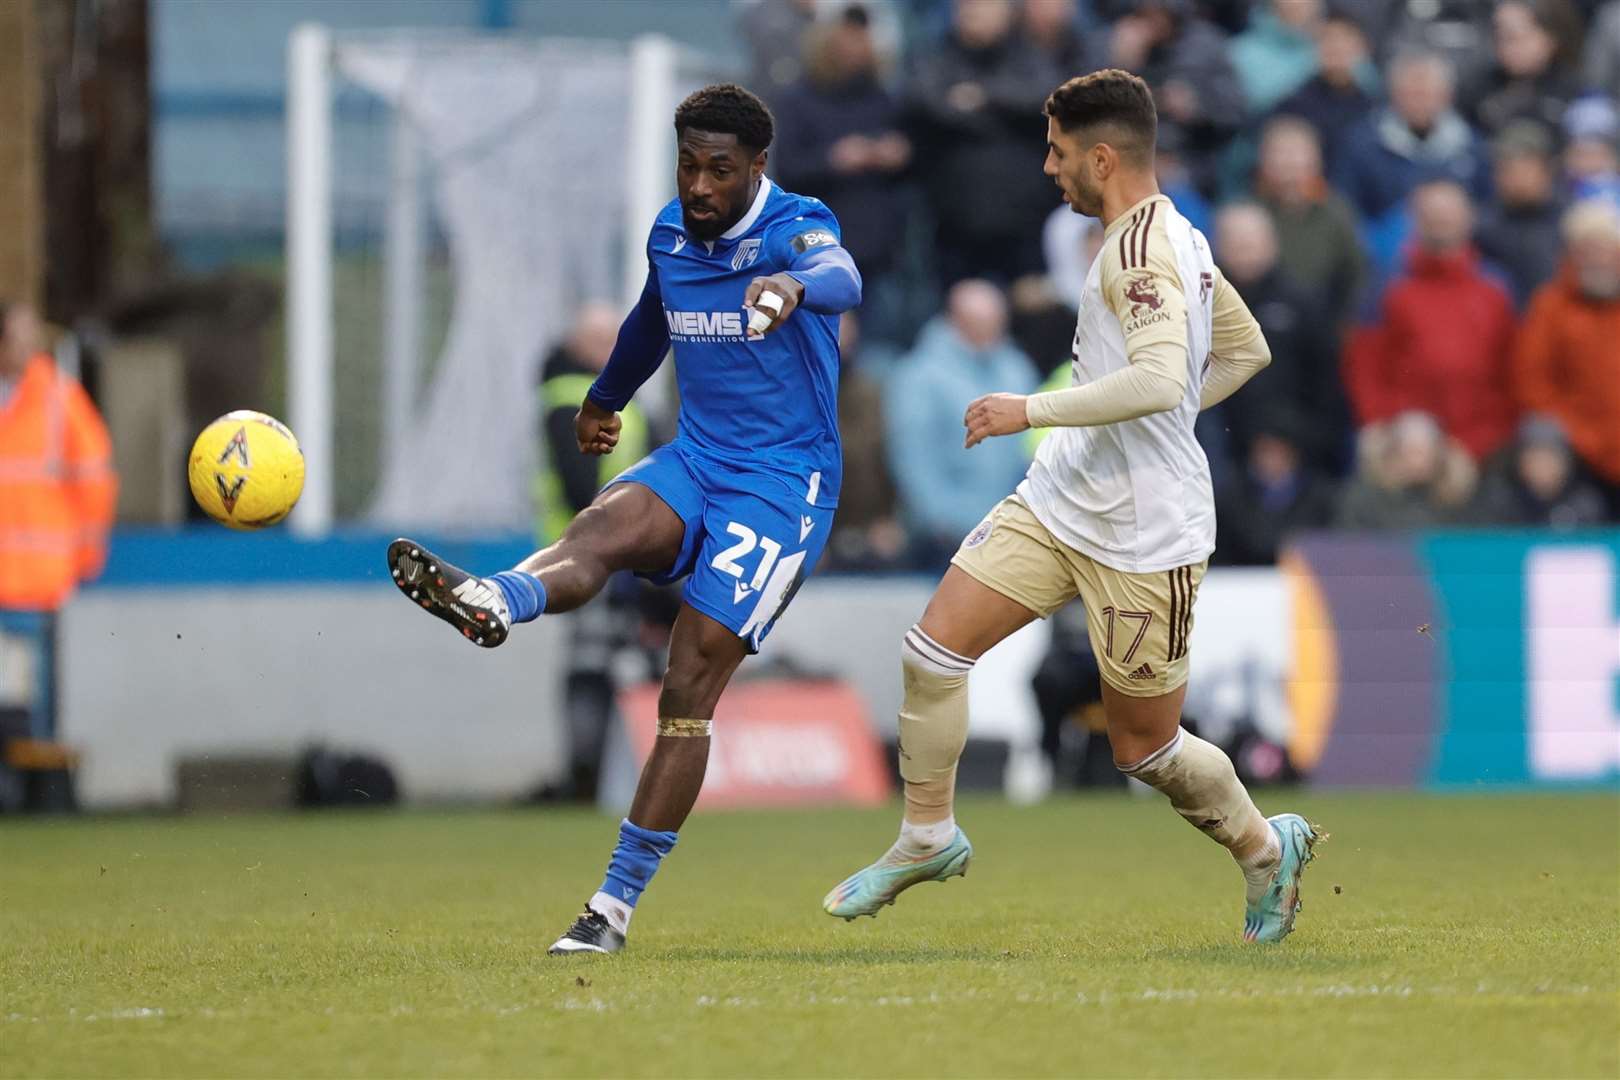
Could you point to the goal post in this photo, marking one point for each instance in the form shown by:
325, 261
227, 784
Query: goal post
446, 215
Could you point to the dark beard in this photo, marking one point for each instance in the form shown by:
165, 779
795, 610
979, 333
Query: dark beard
708, 230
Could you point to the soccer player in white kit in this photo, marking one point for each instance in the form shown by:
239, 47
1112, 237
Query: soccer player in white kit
1117, 509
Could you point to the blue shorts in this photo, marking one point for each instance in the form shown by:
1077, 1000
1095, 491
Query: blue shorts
750, 541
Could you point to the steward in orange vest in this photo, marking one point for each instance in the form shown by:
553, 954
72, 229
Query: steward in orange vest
58, 491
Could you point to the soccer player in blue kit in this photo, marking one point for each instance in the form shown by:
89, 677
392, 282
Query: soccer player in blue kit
746, 281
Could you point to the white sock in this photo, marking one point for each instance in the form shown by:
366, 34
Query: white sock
925, 839
614, 910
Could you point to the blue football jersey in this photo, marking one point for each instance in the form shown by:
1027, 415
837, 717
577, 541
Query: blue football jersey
769, 404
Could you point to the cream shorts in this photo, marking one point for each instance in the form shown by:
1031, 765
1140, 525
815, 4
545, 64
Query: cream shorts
1139, 623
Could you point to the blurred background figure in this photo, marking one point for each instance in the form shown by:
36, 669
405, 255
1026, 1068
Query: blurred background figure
1601, 62
975, 102
1318, 246
945, 489
1536, 481
597, 633
1407, 477
1592, 149
1052, 27
58, 493
1419, 136
1568, 361
1518, 229
1278, 52
1536, 74
1303, 377
1442, 340
841, 140
1339, 94
867, 534
1184, 59
1275, 493
570, 479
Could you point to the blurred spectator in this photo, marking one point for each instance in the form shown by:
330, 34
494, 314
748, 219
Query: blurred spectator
944, 489
1303, 379
1519, 231
1602, 60
1418, 137
1408, 477
1340, 93
571, 479
774, 33
1278, 52
58, 494
1177, 181
1537, 46
976, 98
1568, 360
841, 141
1184, 59
1318, 246
1275, 494
866, 534
1442, 342
1536, 481
1051, 26
600, 632
1592, 154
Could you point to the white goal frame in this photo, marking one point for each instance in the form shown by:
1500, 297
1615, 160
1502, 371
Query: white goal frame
311, 51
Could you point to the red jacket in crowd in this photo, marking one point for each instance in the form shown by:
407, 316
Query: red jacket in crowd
1568, 366
1443, 344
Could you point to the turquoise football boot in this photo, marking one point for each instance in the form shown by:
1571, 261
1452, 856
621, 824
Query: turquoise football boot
1272, 919
865, 891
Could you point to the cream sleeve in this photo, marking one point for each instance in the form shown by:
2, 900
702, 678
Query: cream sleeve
1238, 350
1146, 295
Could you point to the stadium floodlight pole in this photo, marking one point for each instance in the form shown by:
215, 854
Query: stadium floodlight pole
649, 168
309, 269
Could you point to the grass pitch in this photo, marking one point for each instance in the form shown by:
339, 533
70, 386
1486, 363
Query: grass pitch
1452, 936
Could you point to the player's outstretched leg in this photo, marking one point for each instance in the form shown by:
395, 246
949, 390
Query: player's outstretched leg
626, 528
1204, 789
933, 730
703, 654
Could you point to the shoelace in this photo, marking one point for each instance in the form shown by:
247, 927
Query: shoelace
588, 928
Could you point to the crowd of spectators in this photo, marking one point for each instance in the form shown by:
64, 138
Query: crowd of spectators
1419, 201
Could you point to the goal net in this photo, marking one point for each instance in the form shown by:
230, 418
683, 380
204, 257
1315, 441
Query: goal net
452, 201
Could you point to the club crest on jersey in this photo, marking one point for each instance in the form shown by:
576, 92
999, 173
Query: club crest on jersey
979, 535
746, 253
1143, 295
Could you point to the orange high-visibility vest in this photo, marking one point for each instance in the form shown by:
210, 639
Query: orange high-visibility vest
58, 491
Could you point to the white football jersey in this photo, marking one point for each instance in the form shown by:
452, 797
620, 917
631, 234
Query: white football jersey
1135, 495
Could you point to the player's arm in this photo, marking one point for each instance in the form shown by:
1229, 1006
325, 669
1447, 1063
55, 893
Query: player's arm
821, 277
1152, 311
1237, 348
643, 341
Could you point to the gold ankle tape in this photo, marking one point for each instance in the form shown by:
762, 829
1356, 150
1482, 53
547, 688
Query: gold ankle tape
678, 728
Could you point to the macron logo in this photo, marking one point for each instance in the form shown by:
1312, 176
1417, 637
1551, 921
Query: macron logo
704, 324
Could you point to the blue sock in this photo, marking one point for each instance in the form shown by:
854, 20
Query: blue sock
635, 860
525, 595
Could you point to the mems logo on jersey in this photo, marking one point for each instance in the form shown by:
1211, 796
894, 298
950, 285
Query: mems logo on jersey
704, 325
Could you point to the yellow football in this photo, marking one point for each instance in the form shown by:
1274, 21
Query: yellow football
246, 470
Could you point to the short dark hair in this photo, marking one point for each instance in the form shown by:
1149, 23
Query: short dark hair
727, 109
1109, 97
